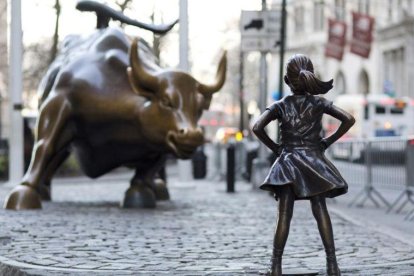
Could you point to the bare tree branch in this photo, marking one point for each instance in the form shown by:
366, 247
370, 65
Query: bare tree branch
123, 4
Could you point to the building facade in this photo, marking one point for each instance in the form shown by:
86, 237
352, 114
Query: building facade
390, 65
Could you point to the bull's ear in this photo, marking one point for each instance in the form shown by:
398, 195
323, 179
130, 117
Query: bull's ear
142, 82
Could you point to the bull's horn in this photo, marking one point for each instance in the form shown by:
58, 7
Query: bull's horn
220, 77
138, 74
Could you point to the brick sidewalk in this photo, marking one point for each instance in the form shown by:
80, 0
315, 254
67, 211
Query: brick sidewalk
201, 231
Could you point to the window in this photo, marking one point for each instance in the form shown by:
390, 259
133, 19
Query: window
340, 9
366, 112
340, 87
396, 110
299, 19
394, 72
363, 86
363, 6
318, 16
379, 109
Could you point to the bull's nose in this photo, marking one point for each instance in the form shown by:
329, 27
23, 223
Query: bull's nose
192, 134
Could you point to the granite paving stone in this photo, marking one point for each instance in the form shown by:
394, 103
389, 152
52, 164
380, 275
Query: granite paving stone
202, 230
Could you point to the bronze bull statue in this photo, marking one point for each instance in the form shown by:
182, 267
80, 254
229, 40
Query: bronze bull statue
106, 99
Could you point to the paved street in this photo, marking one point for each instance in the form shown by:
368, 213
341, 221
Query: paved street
201, 231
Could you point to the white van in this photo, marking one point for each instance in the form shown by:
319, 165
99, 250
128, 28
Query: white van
376, 115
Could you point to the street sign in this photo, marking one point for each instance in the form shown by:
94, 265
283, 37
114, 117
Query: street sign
259, 44
260, 30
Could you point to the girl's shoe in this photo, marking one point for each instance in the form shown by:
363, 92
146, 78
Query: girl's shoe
332, 268
275, 268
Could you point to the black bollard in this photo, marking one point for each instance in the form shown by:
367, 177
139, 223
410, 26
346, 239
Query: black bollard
230, 168
199, 161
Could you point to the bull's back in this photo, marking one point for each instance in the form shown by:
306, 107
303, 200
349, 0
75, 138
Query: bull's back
96, 63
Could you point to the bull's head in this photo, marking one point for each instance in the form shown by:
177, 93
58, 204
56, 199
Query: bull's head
175, 103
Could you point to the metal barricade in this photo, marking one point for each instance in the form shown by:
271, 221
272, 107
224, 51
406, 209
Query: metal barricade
407, 195
373, 163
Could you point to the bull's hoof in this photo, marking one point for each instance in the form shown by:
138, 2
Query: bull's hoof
139, 197
23, 197
44, 192
161, 190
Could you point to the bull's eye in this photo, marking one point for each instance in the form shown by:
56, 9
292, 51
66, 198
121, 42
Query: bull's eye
166, 102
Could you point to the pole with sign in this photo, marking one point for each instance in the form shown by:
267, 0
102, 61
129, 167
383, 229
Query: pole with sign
282, 48
16, 126
260, 30
184, 166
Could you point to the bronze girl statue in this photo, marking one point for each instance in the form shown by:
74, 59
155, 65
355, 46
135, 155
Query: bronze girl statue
302, 171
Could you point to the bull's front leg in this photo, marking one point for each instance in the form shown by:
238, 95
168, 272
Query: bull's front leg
53, 136
144, 190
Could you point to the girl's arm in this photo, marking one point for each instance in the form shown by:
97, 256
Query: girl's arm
259, 130
347, 121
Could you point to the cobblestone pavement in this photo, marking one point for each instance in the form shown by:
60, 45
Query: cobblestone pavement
201, 231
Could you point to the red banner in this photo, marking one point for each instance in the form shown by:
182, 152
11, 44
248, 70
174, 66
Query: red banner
336, 39
362, 27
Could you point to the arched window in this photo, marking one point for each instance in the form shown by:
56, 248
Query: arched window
363, 86
339, 86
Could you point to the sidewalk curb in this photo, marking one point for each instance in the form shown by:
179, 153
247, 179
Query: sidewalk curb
388, 231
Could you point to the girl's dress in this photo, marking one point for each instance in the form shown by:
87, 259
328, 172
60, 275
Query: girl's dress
302, 163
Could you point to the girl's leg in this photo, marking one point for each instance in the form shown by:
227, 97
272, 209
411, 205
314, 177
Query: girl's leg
286, 203
320, 212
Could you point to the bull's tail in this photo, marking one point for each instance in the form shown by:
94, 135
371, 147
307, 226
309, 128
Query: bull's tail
105, 13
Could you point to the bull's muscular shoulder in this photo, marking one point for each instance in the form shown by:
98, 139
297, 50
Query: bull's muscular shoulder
112, 45
112, 38
101, 43
115, 45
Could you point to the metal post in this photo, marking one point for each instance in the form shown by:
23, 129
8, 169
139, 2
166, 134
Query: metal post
260, 164
263, 88
184, 65
15, 95
263, 96
241, 88
368, 156
282, 48
231, 163
184, 166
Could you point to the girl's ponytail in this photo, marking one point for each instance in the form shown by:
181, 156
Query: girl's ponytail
311, 84
301, 79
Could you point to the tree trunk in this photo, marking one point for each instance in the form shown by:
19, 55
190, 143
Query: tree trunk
156, 39
54, 49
